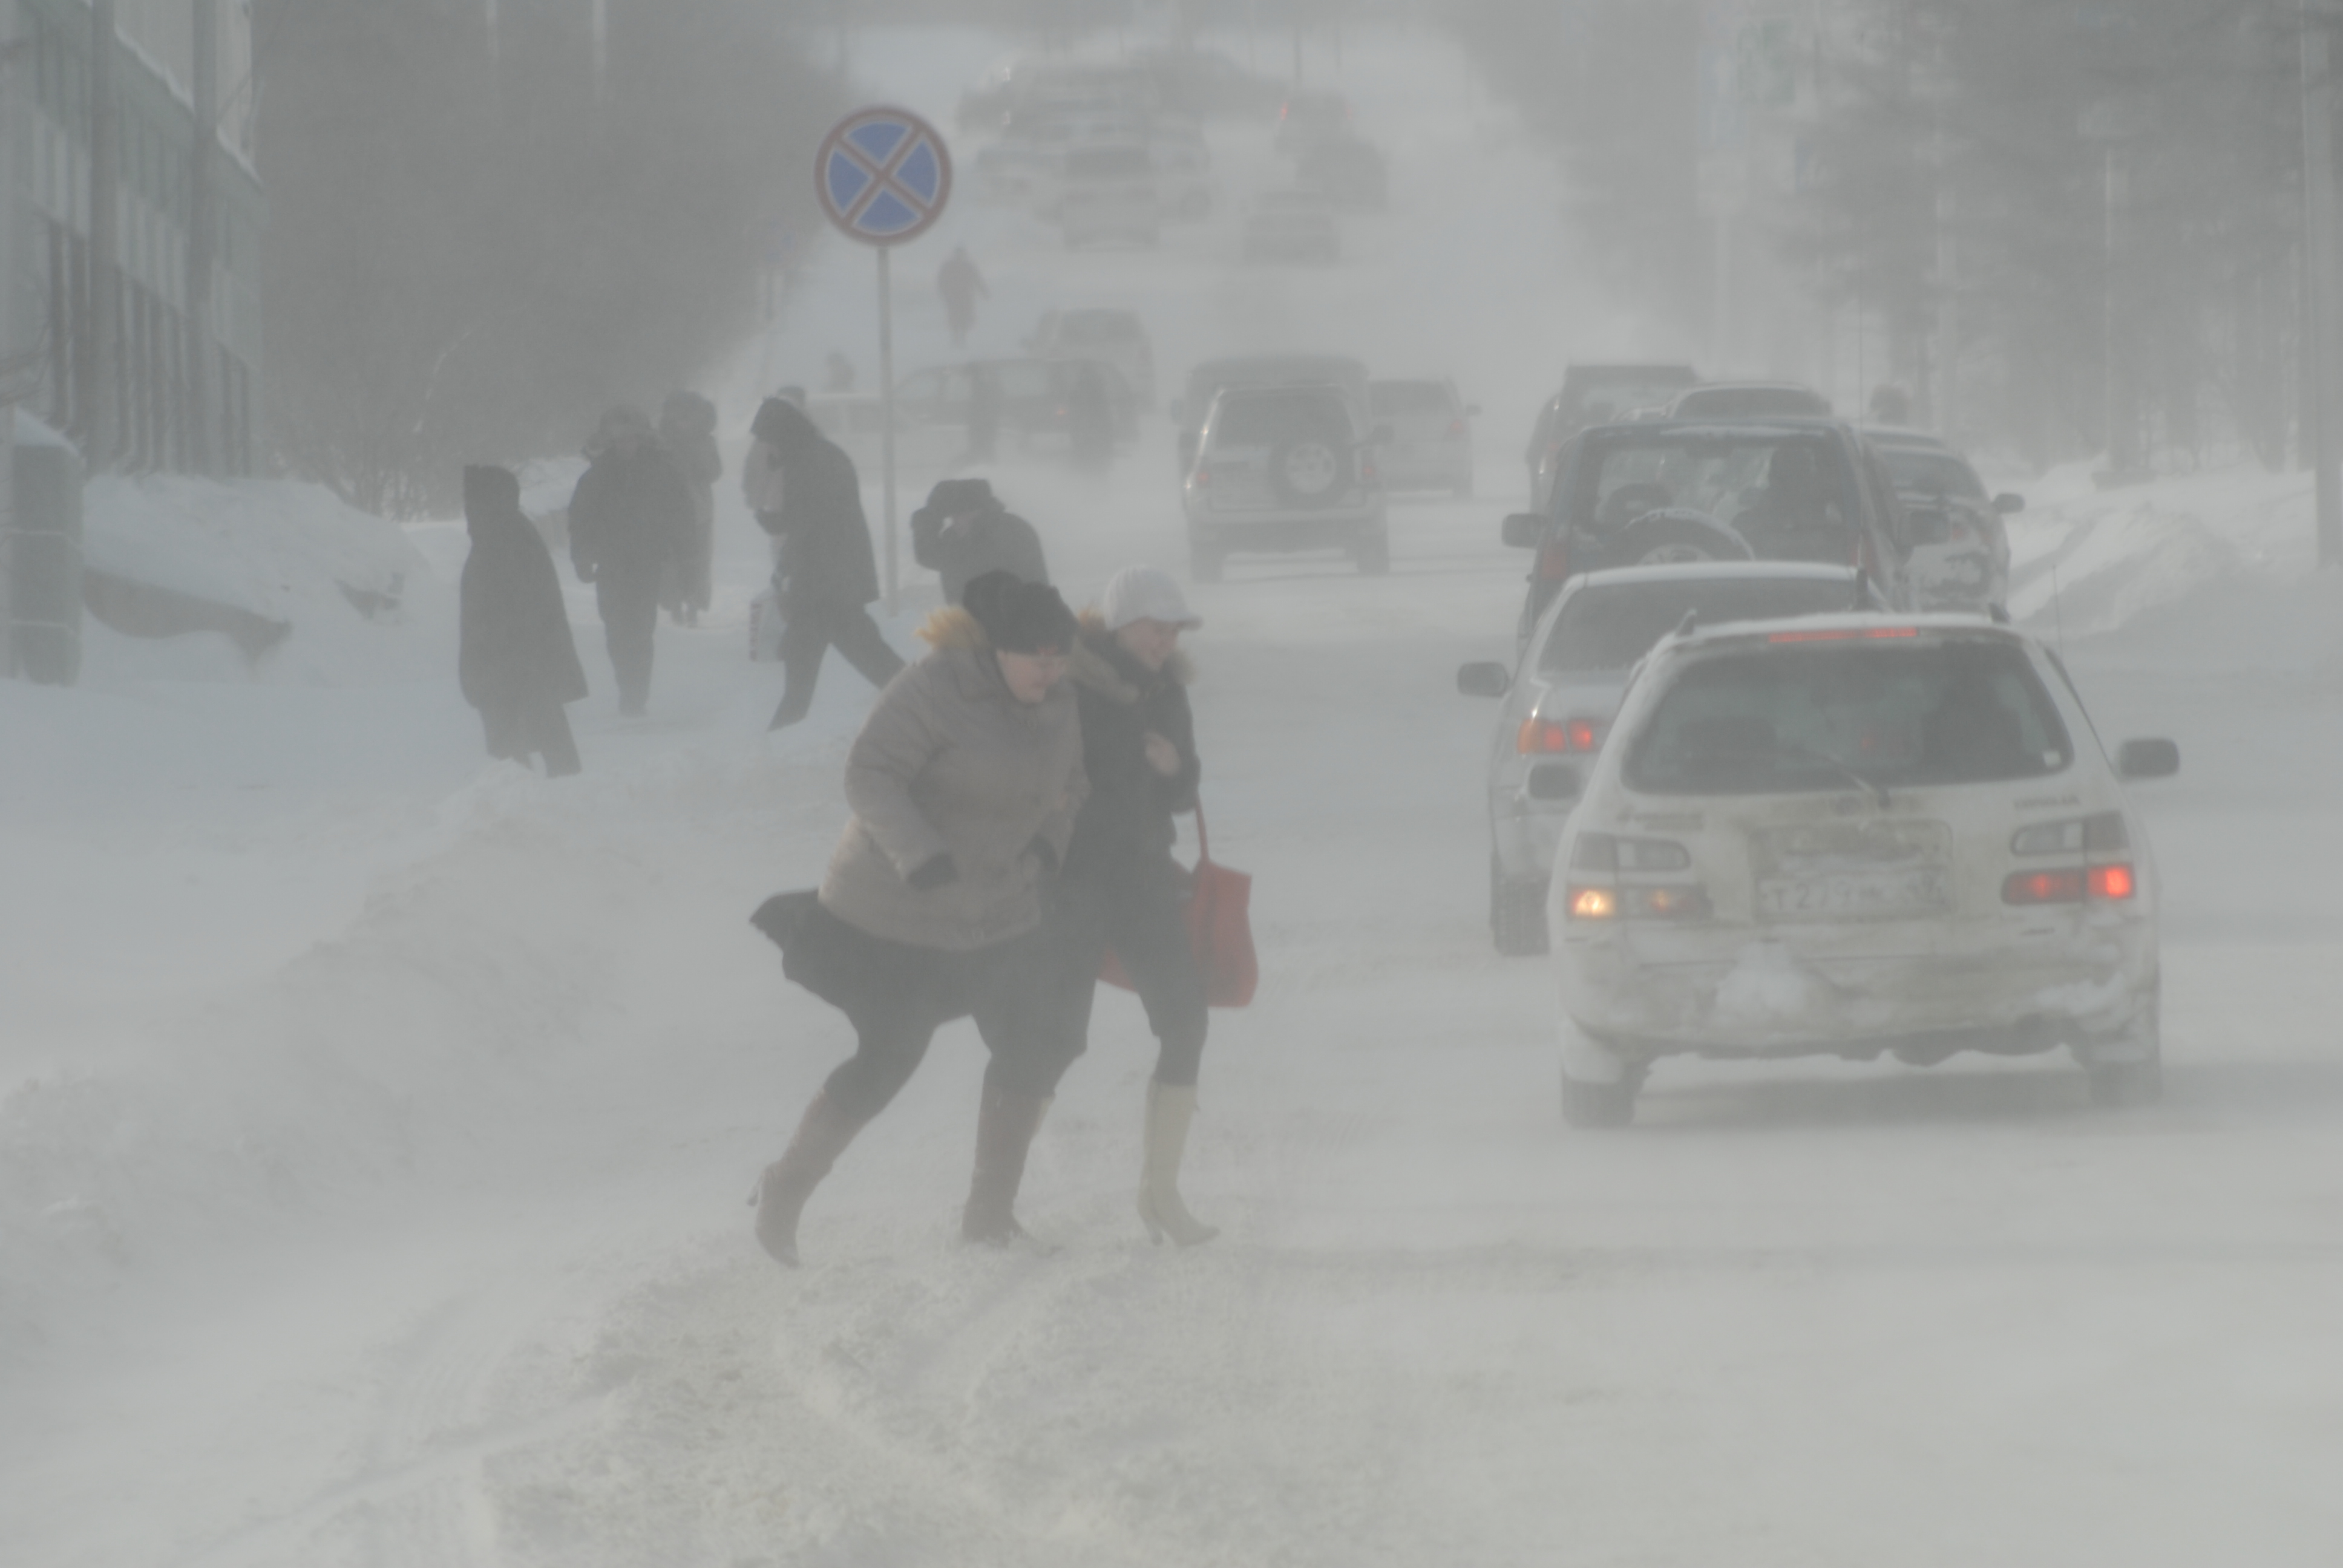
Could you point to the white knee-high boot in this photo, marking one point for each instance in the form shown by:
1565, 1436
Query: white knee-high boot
1169, 1111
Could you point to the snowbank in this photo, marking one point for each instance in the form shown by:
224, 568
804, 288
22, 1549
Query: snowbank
362, 604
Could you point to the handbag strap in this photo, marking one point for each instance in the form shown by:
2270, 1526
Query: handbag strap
1203, 836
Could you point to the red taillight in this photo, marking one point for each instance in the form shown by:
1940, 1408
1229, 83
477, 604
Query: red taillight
1369, 473
1552, 562
1543, 737
1201, 477
2069, 885
1456, 430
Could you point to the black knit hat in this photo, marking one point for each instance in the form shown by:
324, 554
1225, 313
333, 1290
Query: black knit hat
1019, 617
490, 488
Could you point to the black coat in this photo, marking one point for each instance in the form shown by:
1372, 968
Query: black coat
826, 553
958, 549
631, 509
514, 646
1125, 826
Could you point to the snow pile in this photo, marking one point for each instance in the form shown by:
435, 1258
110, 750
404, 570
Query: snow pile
362, 604
2085, 562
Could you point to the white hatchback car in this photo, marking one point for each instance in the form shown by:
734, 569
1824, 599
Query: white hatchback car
1854, 836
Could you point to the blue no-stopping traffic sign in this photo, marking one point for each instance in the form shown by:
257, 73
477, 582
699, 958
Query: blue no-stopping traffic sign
883, 176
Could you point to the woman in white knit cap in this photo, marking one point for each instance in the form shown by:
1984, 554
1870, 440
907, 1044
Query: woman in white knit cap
1121, 887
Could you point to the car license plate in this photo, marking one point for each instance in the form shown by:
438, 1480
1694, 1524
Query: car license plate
1855, 895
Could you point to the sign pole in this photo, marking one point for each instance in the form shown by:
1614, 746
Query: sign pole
887, 411
883, 176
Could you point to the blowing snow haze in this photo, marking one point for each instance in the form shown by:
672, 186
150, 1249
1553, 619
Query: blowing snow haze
1749, 583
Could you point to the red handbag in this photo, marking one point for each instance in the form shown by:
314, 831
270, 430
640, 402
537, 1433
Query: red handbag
1219, 930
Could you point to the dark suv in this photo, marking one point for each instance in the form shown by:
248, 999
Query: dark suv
1656, 491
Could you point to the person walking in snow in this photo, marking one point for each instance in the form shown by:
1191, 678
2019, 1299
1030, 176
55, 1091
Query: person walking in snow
630, 521
828, 576
964, 531
516, 659
961, 286
687, 430
965, 782
1121, 889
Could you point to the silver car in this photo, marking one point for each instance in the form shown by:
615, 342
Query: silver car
1431, 444
1282, 468
1558, 706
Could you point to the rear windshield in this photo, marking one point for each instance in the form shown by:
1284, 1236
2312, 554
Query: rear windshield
1268, 417
1608, 400
1408, 397
1791, 498
1749, 402
1613, 626
1917, 472
1837, 715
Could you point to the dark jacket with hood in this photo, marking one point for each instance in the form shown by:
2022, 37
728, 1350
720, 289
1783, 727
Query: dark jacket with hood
964, 532
514, 645
1126, 823
632, 508
826, 553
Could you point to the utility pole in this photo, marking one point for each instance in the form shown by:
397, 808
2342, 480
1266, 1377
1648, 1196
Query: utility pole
99, 350
2318, 381
200, 225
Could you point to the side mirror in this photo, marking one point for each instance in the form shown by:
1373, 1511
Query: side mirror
1484, 679
2007, 502
1554, 781
1522, 530
2147, 759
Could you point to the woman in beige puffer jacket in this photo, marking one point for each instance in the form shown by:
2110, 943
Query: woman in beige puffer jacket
965, 782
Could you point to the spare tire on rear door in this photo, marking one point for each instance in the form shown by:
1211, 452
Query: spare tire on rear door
1677, 534
1310, 471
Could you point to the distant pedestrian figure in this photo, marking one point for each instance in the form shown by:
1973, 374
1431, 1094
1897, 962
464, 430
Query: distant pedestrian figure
687, 428
961, 286
630, 520
837, 374
964, 532
516, 659
1090, 417
828, 576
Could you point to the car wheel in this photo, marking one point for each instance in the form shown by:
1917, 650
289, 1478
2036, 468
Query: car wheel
1375, 555
1669, 541
1516, 912
1205, 557
1598, 1105
2139, 1082
1310, 472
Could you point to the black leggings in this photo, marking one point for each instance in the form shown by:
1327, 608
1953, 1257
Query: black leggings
897, 996
1140, 912
810, 631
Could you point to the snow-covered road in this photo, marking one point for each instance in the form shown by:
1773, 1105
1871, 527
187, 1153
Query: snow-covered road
378, 1122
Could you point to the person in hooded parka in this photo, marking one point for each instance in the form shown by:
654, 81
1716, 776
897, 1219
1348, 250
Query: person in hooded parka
828, 576
515, 658
964, 532
630, 521
686, 429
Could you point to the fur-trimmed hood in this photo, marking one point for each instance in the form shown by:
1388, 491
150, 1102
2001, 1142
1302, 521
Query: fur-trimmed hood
953, 628
1098, 664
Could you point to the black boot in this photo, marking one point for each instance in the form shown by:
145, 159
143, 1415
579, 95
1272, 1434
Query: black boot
789, 1181
1005, 1125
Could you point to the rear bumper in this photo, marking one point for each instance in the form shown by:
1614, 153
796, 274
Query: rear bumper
1768, 999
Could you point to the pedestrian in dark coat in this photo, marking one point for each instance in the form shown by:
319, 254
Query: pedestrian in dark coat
964, 532
514, 659
686, 429
828, 576
1121, 888
965, 782
630, 521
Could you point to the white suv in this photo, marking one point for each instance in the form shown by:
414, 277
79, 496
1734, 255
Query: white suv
1855, 835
